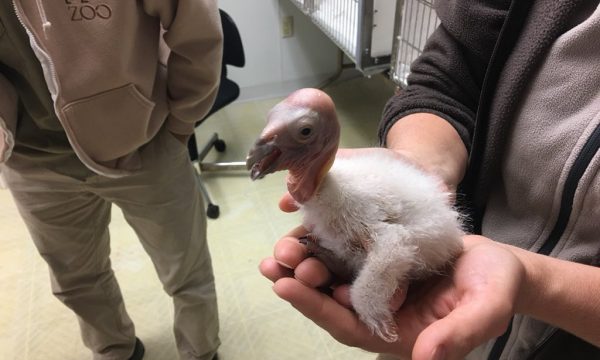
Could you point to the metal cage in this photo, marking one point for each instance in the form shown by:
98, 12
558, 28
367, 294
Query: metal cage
414, 24
303, 5
363, 29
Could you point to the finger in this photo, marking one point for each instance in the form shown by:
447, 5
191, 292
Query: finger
457, 334
341, 294
273, 271
297, 232
287, 203
324, 311
312, 273
398, 298
288, 252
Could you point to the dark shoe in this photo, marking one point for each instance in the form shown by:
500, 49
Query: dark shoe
138, 351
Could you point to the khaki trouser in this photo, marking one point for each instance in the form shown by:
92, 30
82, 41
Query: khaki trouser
68, 220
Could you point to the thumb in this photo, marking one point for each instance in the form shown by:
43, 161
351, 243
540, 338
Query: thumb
287, 203
457, 334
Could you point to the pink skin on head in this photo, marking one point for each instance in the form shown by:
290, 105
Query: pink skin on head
304, 179
308, 158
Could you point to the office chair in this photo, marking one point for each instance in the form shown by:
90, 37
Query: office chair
229, 91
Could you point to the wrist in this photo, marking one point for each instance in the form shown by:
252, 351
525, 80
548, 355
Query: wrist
534, 288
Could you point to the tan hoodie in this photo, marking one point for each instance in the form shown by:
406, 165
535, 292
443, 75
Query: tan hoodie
8, 118
101, 62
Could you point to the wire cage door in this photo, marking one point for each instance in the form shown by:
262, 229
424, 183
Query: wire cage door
416, 22
363, 29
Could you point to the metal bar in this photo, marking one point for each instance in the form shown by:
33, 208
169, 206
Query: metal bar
417, 22
396, 42
208, 146
365, 26
349, 24
223, 166
202, 188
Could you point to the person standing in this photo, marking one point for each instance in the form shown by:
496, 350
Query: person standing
89, 117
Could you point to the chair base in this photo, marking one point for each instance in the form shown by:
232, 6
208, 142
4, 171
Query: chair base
213, 210
223, 166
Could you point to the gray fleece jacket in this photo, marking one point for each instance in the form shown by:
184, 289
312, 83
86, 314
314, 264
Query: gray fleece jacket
493, 70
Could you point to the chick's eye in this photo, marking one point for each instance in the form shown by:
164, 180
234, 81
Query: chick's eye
306, 131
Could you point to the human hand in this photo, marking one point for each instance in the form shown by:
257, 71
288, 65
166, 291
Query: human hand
441, 318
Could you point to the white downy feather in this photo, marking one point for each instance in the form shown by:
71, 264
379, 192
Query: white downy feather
412, 228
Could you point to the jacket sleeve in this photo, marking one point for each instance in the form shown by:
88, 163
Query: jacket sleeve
447, 78
8, 118
193, 34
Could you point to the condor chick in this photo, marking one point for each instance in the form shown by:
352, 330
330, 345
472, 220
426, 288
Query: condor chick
373, 218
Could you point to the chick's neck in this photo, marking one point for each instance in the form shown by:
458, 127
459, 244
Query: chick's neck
303, 183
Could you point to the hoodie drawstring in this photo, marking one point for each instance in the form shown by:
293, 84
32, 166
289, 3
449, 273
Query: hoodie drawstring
45, 23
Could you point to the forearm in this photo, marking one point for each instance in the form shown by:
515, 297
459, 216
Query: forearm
562, 293
431, 142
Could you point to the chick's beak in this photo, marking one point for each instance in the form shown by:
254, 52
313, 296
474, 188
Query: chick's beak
263, 159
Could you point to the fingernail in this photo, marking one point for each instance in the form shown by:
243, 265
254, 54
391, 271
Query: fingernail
284, 264
305, 283
438, 354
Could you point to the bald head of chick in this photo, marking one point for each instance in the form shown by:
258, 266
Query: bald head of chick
301, 136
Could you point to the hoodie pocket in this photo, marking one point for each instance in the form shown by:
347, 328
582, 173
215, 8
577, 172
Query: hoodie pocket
111, 124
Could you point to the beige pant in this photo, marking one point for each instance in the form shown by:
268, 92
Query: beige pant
68, 219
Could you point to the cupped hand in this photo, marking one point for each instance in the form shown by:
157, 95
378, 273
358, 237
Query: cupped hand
442, 318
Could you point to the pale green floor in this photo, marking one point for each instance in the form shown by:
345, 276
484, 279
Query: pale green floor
255, 324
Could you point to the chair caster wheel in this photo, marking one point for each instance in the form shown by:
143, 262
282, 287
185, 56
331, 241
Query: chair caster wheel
220, 145
212, 211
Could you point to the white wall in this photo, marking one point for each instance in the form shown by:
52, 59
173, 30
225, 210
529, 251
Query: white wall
275, 66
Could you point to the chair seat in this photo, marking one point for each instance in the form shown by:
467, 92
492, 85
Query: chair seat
228, 92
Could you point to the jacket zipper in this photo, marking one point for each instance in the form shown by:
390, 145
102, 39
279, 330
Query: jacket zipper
45, 23
581, 164
506, 38
575, 174
45, 60
572, 182
50, 75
